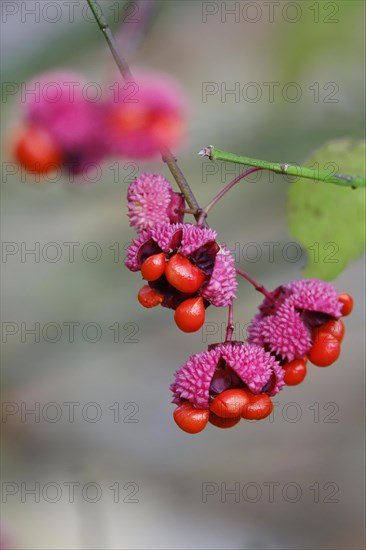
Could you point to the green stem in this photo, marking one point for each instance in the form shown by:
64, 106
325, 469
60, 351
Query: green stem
286, 169
125, 71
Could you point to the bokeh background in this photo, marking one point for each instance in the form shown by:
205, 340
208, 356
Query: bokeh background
139, 482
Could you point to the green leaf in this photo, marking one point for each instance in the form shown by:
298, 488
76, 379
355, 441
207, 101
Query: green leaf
328, 220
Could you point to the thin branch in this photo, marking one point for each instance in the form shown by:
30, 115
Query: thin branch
230, 323
108, 35
126, 73
223, 192
257, 286
180, 179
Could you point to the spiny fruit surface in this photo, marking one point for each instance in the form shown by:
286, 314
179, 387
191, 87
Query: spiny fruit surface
220, 422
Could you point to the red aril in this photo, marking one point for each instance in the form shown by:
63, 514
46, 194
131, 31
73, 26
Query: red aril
230, 403
153, 267
190, 314
325, 350
149, 297
259, 407
347, 301
220, 422
183, 275
190, 419
295, 372
36, 151
333, 327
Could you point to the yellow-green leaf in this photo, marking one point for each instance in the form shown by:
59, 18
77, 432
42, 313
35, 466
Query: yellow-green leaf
329, 220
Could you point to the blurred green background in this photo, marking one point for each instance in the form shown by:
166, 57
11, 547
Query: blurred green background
149, 478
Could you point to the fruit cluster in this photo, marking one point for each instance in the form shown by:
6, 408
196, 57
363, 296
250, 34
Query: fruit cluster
66, 126
186, 270
228, 382
184, 267
301, 322
325, 349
